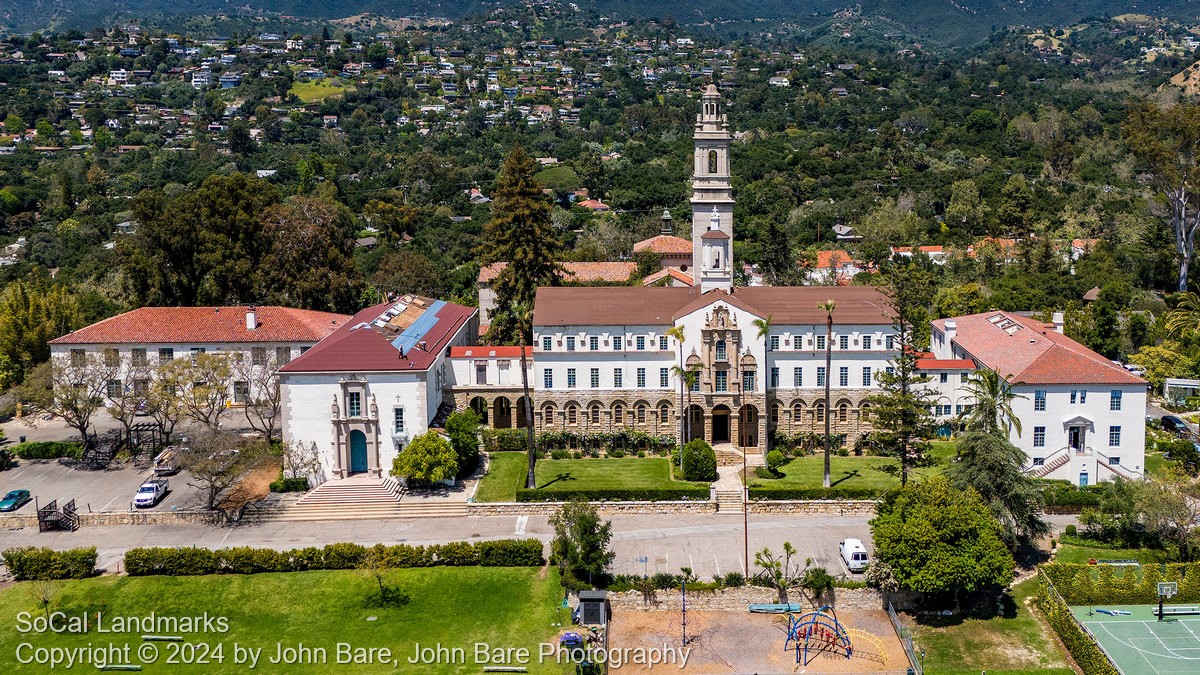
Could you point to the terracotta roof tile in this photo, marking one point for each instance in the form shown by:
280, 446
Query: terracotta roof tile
614, 272
682, 277
665, 244
207, 325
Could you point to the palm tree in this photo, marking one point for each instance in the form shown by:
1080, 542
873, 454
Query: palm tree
676, 332
1184, 320
828, 306
687, 378
993, 397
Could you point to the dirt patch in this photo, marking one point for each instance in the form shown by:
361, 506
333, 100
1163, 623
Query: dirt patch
254, 485
740, 642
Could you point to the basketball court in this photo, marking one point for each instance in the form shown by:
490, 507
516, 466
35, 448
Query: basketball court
1137, 642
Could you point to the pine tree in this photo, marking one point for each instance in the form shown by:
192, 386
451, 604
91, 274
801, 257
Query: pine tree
903, 410
521, 234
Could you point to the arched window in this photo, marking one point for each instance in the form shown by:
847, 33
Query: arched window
797, 413
618, 414
865, 412
641, 413
664, 413
843, 412
819, 412
712, 161
595, 413
716, 259
572, 414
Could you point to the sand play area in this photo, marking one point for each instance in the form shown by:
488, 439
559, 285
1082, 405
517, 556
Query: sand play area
741, 642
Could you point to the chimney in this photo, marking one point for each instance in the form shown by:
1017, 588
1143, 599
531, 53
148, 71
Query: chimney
251, 319
1058, 322
951, 331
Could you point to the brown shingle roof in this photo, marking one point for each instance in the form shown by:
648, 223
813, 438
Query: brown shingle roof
206, 325
625, 305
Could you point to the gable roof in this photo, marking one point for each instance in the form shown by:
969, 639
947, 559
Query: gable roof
665, 244
207, 325
649, 306
1031, 352
403, 335
682, 277
584, 272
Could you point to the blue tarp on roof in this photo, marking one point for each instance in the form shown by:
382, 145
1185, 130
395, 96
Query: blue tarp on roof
414, 333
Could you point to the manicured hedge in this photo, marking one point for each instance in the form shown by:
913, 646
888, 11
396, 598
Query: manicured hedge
1123, 585
246, 560
36, 564
282, 484
47, 450
1063, 496
772, 494
691, 494
1083, 648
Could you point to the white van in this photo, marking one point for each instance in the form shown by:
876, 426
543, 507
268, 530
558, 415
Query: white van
854, 554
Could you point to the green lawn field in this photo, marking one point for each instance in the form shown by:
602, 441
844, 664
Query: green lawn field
455, 607
844, 472
316, 90
507, 473
1018, 644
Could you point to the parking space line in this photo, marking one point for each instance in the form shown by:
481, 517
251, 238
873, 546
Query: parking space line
21, 473
110, 502
717, 564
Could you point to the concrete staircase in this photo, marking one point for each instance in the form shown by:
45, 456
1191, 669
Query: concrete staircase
356, 499
729, 501
1060, 458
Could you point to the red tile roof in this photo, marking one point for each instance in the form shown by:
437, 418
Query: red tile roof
360, 347
825, 259
612, 272
1031, 352
487, 351
945, 364
207, 325
665, 244
682, 277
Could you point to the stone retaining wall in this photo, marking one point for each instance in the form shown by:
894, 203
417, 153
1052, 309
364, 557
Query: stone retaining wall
822, 507
98, 519
739, 599
609, 508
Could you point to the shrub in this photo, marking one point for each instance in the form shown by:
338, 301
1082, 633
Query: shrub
775, 460
1083, 648
47, 450
559, 454
641, 453
734, 579
505, 440
766, 493
40, 564
577, 455
616, 453
246, 560
766, 474
843, 452
698, 461
698, 493
1071, 530
282, 484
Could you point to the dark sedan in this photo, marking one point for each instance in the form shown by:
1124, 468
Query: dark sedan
1175, 425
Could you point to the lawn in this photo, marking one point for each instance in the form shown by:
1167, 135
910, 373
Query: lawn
316, 90
506, 472
844, 472
1016, 644
454, 607
1071, 553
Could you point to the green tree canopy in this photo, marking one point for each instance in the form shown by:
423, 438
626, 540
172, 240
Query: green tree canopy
994, 468
580, 544
429, 458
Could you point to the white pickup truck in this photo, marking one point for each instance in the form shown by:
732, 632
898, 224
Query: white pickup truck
150, 493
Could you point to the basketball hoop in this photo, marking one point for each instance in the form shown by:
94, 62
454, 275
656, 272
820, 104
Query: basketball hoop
1168, 589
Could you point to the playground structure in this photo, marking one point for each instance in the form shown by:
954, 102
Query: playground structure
819, 632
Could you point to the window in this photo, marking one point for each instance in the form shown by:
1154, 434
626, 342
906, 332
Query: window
137, 356
866, 376
641, 343
196, 351
595, 378
721, 353
397, 420
820, 342
593, 343
890, 342
283, 355
1114, 436
570, 378
819, 412
78, 357
797, 377
114, 389
480, 372
820, 376
1039, 461
241, 392
547, 344
774, 377
618, 343
354, 404
641, 413
958, 408
943, 377
258, 356
712, 161
1039, 437
1082, 396
641, 378
112, 357
618, 414
1074, 395
696, 383
963, 377
844, 376
866, 342
1039, 400
664, 378
571, 344
1114, 461
166, 355
843, 342
774, 343
662, 343
572, 414
1114, 399
942, 409
595, 414
722, 380
664, 414
748, 380
303, 350
843, 412
547, 378
618, 378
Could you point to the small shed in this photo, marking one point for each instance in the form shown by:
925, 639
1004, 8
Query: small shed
593, 608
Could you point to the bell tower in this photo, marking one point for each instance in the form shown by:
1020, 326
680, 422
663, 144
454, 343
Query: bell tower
712, 197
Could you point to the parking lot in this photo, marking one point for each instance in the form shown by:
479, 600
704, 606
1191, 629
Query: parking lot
111, 489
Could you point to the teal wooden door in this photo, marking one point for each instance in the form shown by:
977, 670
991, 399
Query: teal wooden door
358, 452
1083, 479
